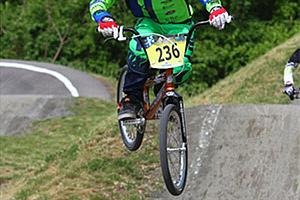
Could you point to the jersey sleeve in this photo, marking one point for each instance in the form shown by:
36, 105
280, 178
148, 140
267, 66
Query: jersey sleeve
210, 4
98, 9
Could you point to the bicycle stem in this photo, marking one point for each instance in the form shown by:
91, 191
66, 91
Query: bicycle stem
169, 84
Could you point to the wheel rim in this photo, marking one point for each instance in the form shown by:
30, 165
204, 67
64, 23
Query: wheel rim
130, 131
176, 151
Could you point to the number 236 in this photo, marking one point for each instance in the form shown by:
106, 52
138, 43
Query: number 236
169, 53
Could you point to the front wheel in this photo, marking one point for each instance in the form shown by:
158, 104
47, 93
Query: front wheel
132, 131
173, 150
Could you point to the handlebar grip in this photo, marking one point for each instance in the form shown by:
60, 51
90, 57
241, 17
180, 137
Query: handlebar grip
229, 19
98, 30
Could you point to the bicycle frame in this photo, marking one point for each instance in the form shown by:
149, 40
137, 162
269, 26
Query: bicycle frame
152, 108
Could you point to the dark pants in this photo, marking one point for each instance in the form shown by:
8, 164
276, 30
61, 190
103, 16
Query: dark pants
137, 74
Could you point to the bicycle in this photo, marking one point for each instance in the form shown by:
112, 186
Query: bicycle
168, 106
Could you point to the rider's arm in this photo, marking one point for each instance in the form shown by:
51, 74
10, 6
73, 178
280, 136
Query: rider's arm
290, 66
106, 24
98, 9
211, 4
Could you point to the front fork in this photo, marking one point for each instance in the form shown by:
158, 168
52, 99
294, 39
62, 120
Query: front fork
182, 112
175, 99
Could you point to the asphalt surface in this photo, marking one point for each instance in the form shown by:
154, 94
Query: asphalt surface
26, 95
242, 152
24, 82
20, 81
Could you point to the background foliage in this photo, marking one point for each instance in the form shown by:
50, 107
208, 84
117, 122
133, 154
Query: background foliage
62, 32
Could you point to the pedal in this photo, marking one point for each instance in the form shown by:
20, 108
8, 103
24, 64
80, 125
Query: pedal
138, 121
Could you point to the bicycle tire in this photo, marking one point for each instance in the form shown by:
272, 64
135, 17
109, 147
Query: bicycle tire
175, 187
134, 143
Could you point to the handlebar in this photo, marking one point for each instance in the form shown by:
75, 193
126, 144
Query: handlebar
139, 37
193, 28
120, 37
131, 30
189, 34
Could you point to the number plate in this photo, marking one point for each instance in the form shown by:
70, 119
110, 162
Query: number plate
165, 52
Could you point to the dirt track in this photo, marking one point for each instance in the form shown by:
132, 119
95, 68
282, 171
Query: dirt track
243, 153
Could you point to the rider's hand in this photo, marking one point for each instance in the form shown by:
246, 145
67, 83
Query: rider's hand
289, 90
219, 17
108, 27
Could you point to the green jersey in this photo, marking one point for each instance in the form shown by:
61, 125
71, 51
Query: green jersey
162, 11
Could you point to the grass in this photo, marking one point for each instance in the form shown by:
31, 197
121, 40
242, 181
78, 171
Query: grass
77, 157
260, 82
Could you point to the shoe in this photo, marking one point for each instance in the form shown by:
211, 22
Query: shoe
128, 108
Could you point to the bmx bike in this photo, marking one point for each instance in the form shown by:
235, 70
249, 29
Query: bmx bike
166, 53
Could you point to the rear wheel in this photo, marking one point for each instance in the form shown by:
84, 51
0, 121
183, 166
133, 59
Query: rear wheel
173, 150
132, 131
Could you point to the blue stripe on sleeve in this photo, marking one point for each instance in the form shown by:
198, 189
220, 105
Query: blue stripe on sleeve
135, 8
149, 7
204, 2
99, 15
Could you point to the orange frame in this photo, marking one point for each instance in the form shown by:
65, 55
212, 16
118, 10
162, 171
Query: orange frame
151, 108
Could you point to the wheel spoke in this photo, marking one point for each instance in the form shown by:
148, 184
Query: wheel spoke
174, 174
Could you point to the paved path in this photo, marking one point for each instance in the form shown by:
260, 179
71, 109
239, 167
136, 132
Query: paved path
32, 90
21, 81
